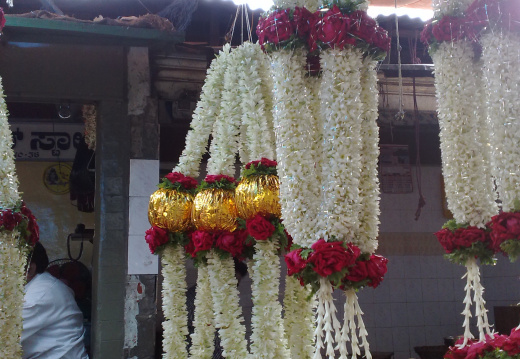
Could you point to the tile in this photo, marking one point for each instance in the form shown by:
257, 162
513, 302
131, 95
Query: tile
415, 314
413, 290
412, 265
381, 293
430, 289
399, 315
398, 291
383, 315
401, 340
140, 260
446, 288
144, 177
429, 266
432, 313
138, 215
417, 337
366, 296
383, 340
396, 268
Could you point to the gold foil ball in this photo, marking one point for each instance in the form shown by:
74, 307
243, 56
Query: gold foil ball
258, 195
215, 210
170, 209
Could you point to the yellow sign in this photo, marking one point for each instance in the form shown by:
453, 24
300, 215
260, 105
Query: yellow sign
56, 178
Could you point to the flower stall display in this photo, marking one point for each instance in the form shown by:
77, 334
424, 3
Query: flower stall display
348, 43
494, 346
19, 232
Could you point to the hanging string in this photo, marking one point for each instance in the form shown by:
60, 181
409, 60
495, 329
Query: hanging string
418, 169
232, 30
400, 114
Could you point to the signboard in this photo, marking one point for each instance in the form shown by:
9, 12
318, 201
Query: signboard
46, 141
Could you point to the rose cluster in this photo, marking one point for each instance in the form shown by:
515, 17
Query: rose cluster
156, 237
505, 233
463, 242
22, 219
177, 179
201, 242
480, 14
494, 346
262, 162
219, 178
333, 28
342, 264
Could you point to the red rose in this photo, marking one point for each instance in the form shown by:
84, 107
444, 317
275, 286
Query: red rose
289, 241
465, 237
512, 344
426, 33
2, 19
185, 181
476, 350
449, 28
504, 226
333, 29
295, 263
330, 257
457, 352
446, 238
381, 39
202, 241
219, 178
190, 249
358, 273
496, 341
264, 161
230, 242
376, 268
275, 28
260, 228
10, 220
156, 237
302, 19
362, 25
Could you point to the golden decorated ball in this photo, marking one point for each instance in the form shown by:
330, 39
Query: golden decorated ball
170, 209
258, 195
214, 209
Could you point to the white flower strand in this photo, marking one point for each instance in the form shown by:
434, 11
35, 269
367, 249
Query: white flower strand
227, 311
467, 300
256, 117
175, 322
468, 183
204, 116
12, 281
366, 236
501, 57
349, 326
298, 319
203, 336
299, 194
341, 164
326, 322
267, 338
363, 334
450, 7
9, 195
480, 304
226, 130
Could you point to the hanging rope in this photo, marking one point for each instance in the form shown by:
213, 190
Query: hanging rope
418, 170
400, 114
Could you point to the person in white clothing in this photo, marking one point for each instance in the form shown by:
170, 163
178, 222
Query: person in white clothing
52, 321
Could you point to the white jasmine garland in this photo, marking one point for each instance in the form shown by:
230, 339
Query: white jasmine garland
12, 281
227, 311
204, 116
267, 339
501, 57
299, 191
226, 130
468, 183
256, 117
328, 328
450, 7
467, 302
203, 336
89, 116
9, 195
175, 322
366, 236
341, 163
298, 319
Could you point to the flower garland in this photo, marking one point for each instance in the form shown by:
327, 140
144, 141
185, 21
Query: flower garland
505, 232
226, 130
204, 116
299, 327
203, 335
89, 117
368, 229
299, 195
227, 311
174, 296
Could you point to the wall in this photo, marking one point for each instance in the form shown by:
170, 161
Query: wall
57, 217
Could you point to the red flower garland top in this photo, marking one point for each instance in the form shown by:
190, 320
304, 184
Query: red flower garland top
22, 219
